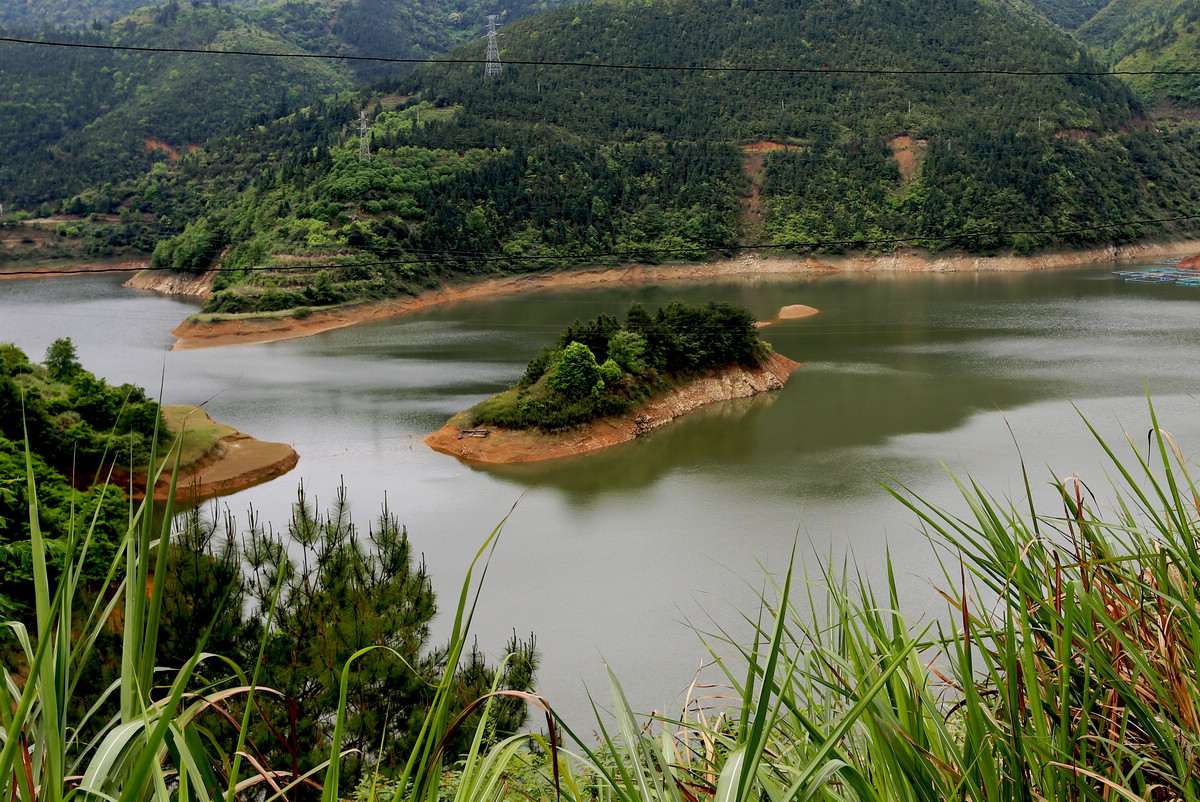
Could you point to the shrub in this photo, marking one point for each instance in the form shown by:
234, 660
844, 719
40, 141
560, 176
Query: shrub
610, 372
575, 373
628, 349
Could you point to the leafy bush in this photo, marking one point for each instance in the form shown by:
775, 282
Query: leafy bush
610, 372
575, 372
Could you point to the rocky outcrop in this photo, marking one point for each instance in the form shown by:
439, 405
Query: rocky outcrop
731, 383
196, 285
504, 446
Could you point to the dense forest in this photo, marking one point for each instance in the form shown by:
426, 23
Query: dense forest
76, 13
80, 427
1069, 14
74, 118
548, 165
603, 367
1142, 35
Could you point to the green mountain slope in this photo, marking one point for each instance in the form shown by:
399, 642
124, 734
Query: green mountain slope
75, 13
906, 36
1070, 14
554, 165
1142, 35
73, 118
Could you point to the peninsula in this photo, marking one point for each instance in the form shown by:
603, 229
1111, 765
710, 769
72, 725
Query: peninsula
606, 383
215, 459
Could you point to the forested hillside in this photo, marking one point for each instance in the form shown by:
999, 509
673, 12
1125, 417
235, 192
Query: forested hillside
76, 13
1159, 35
1070, 14
73, 118
830, 126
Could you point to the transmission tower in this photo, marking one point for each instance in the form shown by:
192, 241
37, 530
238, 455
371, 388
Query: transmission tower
493, 51
364, 138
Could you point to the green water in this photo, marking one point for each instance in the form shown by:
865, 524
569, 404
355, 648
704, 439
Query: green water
605, 555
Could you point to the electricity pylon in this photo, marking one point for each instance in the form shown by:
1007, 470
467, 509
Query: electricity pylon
493, 51
364, 138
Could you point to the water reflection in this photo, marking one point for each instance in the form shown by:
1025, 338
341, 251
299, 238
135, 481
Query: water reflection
724, 434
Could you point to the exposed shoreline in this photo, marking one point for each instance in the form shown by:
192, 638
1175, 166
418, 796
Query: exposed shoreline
507, 446
235, 462
245, 330
72, 267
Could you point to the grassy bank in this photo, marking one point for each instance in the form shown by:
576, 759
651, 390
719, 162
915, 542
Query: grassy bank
1064, 667
196, 434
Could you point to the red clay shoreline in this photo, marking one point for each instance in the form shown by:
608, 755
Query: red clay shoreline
235, 462
198, 332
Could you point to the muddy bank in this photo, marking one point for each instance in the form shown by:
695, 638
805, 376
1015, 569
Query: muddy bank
234, 462
69, 268
504, 446
195, 285
199, 332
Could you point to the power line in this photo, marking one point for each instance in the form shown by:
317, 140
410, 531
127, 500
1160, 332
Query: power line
611, 65
435, 258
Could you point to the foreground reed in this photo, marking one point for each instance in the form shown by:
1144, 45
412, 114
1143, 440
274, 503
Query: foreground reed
1064, 668
167, 734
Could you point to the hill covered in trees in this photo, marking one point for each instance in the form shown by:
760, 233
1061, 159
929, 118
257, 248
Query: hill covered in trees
75, 118
873, 123
1159, 35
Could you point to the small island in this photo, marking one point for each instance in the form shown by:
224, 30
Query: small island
606, 383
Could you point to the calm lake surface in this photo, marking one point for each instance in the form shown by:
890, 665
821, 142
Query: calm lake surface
609, 557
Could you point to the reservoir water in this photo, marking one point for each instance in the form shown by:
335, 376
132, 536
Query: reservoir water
613, 557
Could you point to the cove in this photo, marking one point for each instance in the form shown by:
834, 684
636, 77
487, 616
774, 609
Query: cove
605, 555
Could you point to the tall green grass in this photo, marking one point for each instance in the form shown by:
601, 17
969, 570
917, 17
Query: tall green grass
156, 744
1064, 668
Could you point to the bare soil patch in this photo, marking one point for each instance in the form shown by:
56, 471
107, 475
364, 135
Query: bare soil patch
908, 153
752, 204
153, 144
218, 459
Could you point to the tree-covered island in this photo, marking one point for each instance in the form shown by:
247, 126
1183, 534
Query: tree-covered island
635, 376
